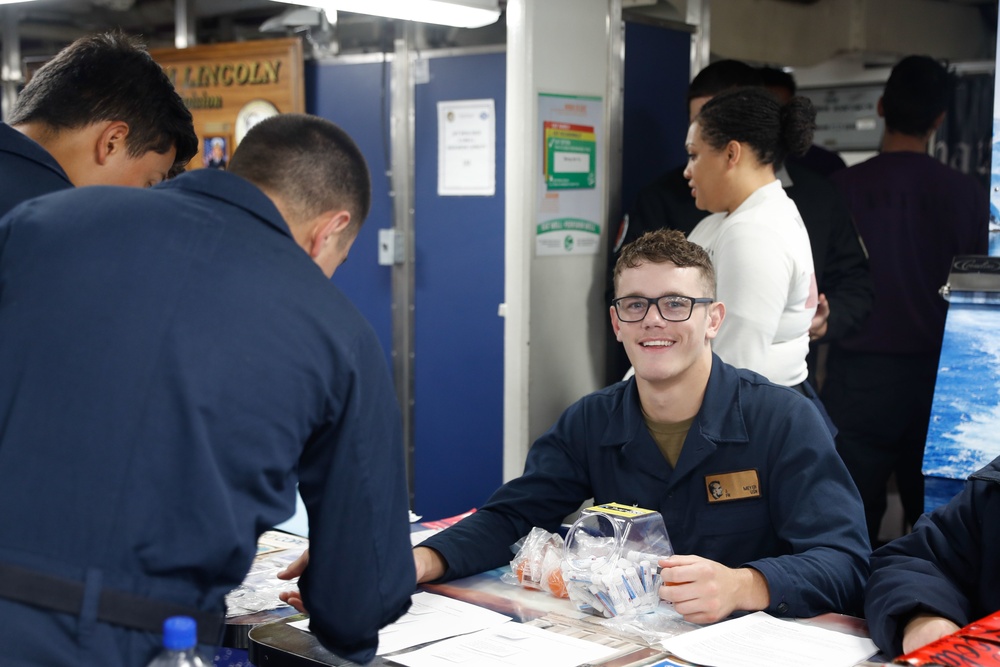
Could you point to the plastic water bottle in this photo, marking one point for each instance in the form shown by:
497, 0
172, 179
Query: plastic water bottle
180, 637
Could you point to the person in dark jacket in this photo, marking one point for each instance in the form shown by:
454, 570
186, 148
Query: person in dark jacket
915, 215
942, 576
101, 112
817, 159
175, 362
786, 535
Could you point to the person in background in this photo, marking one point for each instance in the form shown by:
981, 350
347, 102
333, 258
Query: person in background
789, 540
175, 361
914, 214
839, 259
756, 237
101, 112
666, 201
782, 85
943, 575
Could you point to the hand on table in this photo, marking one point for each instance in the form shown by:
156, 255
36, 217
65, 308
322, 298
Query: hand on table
429, 564
704, 591
294, 598
922, 629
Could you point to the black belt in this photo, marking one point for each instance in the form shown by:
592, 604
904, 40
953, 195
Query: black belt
115, 607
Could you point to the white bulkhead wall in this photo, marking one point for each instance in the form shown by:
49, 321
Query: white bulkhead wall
555, 316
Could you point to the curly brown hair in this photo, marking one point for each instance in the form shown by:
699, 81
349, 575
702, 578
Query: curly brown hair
662, 246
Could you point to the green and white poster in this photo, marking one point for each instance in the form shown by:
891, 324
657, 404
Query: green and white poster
570, 152
571, 195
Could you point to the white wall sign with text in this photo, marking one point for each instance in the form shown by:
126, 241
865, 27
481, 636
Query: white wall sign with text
466, 148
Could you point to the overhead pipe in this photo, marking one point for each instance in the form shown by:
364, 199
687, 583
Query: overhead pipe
11, 76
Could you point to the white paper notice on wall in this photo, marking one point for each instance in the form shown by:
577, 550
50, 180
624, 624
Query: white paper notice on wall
466, 148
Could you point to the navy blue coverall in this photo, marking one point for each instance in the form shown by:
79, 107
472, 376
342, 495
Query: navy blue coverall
805, 532
173, 364
26, 170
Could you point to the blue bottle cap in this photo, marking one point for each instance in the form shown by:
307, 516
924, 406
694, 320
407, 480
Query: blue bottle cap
179, 633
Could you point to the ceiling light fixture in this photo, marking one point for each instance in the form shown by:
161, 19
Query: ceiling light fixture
457, 13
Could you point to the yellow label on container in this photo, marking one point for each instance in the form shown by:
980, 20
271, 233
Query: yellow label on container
618, 509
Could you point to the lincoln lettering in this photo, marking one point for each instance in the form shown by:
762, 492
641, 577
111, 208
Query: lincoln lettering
229, 74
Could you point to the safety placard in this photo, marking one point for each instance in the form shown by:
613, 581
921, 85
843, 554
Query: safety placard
570, 197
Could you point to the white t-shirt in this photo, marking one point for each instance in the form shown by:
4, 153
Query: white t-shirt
763, 264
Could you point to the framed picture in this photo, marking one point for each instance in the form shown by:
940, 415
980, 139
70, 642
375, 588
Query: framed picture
215, 152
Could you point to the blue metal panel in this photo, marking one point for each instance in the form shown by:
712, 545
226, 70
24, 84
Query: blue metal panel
655, 105
351, 95
458, 374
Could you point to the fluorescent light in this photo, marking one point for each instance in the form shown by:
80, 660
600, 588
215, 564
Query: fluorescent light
460, 14
13, 2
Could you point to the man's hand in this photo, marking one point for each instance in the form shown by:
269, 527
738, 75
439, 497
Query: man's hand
817, 328
430, 565
922, 629
704, 591
294, 598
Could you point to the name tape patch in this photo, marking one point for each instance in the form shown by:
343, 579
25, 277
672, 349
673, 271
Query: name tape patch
732, 486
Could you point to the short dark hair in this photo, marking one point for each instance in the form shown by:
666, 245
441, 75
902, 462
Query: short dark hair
311, 163
917, 92
772, 77
755, 117
662, 246
109, 76
720, 76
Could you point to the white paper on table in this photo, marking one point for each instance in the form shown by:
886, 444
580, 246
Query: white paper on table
418, 536
760, 640
509, 645
430, 618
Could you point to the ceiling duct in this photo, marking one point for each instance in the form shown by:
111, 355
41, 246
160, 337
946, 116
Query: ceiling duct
802, 34
316, 27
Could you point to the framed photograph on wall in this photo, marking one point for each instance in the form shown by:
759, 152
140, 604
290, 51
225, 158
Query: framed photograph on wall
215, 152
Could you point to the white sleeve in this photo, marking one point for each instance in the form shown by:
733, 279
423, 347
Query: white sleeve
754, 275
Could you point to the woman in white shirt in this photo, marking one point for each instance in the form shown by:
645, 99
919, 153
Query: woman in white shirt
756, 238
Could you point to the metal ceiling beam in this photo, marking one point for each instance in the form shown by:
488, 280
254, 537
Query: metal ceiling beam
10, 73
699, 14
184, 24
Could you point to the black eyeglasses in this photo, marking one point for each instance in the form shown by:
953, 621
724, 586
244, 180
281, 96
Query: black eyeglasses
672, 308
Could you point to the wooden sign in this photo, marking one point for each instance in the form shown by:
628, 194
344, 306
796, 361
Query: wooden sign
230, 87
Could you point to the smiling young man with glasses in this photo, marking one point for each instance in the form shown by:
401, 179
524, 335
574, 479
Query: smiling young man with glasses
761, 512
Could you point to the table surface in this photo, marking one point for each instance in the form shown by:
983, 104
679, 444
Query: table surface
252, 603
276, 644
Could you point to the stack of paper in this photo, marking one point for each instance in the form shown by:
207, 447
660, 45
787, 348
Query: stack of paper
465, 633
433, 617
509, 645
760, 640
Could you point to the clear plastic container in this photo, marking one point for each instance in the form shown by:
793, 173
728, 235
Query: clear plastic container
610, 559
